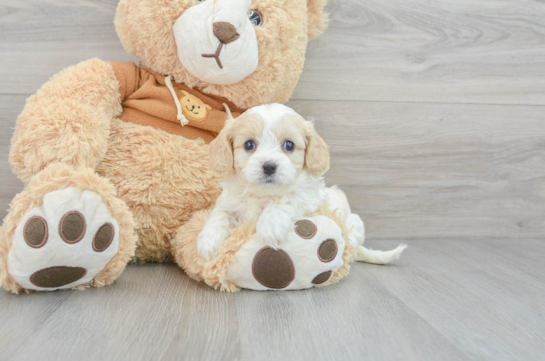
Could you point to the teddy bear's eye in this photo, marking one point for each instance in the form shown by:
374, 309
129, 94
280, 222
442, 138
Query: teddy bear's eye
255, 17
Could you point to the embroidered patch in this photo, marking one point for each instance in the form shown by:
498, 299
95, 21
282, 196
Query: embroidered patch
273, 269
72, 227
305, 229
194, 108
327, 250
322, 278
103, 238
35, 232
57, 276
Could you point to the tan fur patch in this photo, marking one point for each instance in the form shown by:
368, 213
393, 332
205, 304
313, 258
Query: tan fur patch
163, 178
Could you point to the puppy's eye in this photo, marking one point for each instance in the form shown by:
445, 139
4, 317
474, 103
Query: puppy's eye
255, 17
289, 146
249, 145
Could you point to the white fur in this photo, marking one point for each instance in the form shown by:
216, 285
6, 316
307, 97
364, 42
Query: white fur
278, 201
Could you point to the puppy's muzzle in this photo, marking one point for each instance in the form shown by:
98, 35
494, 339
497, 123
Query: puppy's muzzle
269, 168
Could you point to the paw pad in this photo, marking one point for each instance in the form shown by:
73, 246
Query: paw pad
54, 277
322, 278
72, 227
273, 268
327, 250
305, 229
103, 238
35, 232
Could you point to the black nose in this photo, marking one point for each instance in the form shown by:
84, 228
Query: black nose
269, 168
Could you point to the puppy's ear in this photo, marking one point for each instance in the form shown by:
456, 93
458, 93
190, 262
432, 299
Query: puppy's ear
317, 152
221, 152
317, 18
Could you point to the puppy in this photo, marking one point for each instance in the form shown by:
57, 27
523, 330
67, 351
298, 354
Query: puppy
272, 162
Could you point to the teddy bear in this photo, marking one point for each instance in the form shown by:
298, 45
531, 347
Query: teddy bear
114, 156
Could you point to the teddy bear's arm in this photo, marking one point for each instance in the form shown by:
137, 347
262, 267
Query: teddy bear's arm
67, 120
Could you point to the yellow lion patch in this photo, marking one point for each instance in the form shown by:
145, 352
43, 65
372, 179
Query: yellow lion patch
194, 108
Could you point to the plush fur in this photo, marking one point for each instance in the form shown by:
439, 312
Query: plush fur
67, 121
163, 179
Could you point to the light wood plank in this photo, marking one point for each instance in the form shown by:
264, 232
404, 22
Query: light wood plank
488, 51
463, 51
437, 170
10, 108
42, 37
454, 300
495, 308
153, 312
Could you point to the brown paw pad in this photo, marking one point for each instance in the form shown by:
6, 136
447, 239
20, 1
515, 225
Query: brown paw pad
327, 250
103, 238
72, 227
57, 276
272, 268
36, 232
321, 278
305, 229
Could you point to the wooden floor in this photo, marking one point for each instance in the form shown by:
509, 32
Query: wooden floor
435, 114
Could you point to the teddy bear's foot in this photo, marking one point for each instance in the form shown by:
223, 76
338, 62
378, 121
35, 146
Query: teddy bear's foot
71, 237
309, 257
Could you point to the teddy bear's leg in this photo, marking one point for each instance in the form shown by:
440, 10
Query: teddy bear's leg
66, 229
67, 121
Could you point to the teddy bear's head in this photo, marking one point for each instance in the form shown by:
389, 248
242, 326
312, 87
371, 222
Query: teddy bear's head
248, 51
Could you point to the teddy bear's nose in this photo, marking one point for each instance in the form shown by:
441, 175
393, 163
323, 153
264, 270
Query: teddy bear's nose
225, 32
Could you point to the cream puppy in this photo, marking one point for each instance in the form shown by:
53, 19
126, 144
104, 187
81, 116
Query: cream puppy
272, 162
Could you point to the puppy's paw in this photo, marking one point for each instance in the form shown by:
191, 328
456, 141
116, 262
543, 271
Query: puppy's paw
273, 227
210, 241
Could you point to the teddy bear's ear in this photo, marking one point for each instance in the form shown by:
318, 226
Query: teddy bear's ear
208, 107
317, 18
185, 93
317, 152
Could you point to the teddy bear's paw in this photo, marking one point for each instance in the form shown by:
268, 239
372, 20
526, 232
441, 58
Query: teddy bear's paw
63, 243
310, 255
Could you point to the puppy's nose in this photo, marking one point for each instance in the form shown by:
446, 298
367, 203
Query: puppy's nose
269, 168
225, 32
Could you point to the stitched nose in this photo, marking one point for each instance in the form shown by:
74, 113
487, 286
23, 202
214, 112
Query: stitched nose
225, 32
269, 168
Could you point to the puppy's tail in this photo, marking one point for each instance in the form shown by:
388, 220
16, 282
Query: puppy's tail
379, 257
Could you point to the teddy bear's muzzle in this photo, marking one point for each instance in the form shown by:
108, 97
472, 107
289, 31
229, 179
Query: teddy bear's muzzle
217, 42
